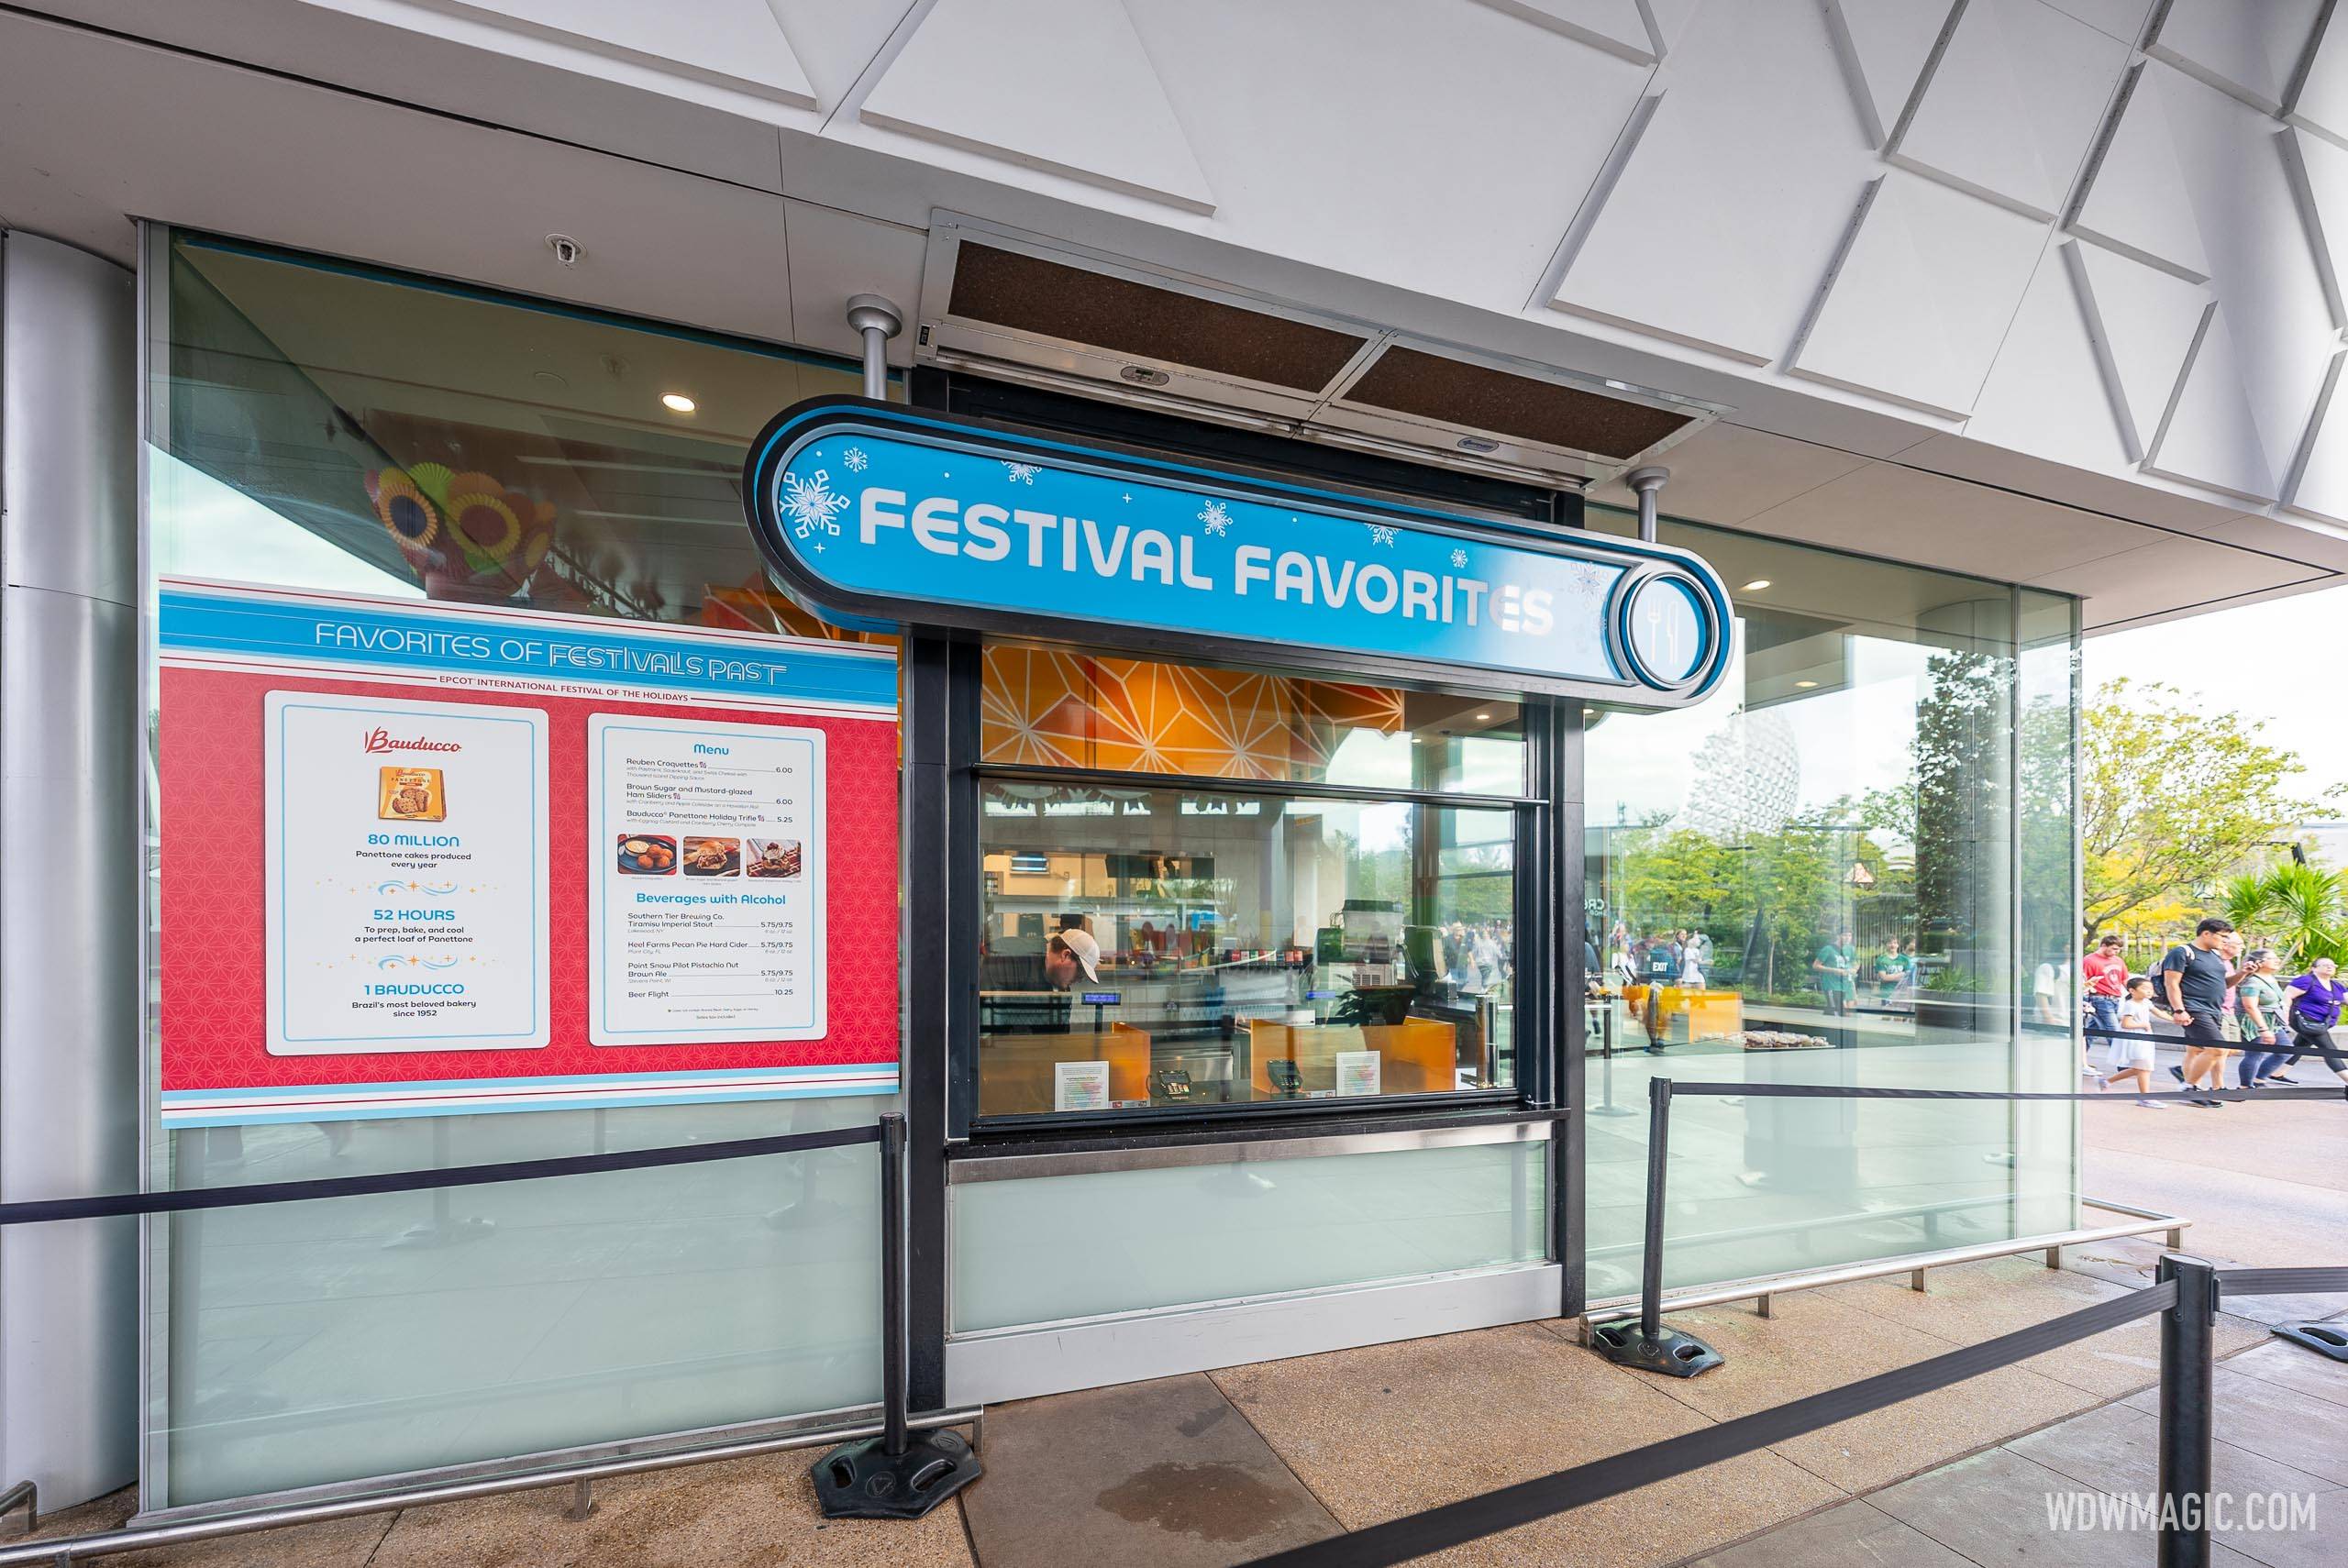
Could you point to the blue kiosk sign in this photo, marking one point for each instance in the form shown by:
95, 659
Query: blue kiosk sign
878, 515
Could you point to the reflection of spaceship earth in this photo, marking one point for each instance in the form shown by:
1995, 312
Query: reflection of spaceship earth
1746, 779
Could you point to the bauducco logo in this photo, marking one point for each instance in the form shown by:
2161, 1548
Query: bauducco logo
381, 740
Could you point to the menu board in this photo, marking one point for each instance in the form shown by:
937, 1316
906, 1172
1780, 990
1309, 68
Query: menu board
406, 875
422, 857
708, 881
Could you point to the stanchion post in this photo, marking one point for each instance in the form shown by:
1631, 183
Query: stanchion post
1647, 1344
2188, 1346
895, 1476
892, 1283
1659, 1160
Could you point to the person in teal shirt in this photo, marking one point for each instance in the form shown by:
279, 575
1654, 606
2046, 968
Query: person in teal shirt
1837, 966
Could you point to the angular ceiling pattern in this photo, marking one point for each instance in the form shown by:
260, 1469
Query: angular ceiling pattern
2087, 249
2028, 210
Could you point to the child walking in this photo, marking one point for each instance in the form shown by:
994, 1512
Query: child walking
2131, 1043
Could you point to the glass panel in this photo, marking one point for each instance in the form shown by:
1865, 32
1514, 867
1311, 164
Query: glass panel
1192, 1233
358, 1337
1170, 947
310, 424
1811, 877
1058, 708
328, 427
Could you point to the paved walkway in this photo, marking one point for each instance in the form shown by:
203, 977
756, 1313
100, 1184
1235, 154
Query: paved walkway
1215, 1469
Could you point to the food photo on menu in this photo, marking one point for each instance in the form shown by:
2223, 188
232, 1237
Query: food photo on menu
774, 857
647, 855
713, 856
411, 795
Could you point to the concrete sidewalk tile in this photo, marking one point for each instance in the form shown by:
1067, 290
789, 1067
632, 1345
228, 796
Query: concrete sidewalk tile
2295, 1367
1992, 1509
336, 1543
1389, 1429
1878, 1448
2267, 1418
1812, 1344
745, 1513
1850, 1535
1165, 1473
2116, 1449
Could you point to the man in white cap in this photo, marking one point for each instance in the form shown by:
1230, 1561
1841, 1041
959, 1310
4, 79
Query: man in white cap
1069, 953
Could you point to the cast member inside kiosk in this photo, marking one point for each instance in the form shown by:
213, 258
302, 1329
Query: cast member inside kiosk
1070, 953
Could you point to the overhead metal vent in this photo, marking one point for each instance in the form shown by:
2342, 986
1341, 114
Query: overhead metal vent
1155, 326
1028, 309
1454, 392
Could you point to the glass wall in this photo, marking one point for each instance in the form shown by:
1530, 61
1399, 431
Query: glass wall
1197, 944
1194, 1233
1840, 868
324, 427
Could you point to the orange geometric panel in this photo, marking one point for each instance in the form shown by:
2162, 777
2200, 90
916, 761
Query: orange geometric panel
1049, 708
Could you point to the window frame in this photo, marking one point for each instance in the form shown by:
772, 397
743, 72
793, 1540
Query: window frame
1534, 1027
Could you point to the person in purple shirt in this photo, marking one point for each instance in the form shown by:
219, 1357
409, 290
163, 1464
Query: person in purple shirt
2312, 1003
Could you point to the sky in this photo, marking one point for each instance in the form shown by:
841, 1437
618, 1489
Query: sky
2264, 661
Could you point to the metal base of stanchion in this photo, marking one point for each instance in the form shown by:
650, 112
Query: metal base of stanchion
1670, 1352
2324, 1338
865, 1481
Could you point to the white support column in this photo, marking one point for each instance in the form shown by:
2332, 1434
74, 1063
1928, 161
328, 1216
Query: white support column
69, 938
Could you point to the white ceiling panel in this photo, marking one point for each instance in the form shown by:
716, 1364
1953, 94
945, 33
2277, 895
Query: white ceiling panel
2045, 393
189, 141
2317, 170
2269, 294
2213, 436
1726, 473
2014, 102
2143, 323
1755, 135
2321, 489
1888, 509
2136, 201
835, 255
2122, 20
2322, 103
1883, 45
736, 42
1615, 26
2162, 572
1064, 85
1919, 306
1432, 150
837, 40
2246, 48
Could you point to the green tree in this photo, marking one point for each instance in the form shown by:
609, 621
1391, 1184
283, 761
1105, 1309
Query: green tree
2302, 911
2171, 798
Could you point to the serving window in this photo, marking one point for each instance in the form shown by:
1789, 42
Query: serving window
1203, 887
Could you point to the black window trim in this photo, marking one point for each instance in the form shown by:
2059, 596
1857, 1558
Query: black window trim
977, 1131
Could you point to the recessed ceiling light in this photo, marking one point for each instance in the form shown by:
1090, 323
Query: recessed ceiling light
1804, 685
676, 403
1483, 715
1756, 586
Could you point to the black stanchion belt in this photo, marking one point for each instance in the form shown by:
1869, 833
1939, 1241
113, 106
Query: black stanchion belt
2281, 1281
1682, 1086
45, 1209
1471, 1519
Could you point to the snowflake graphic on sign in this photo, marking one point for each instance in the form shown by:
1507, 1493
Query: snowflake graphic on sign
1379, 534
1458, 560
855, 459
812, 504
1216, 516
1020, 473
